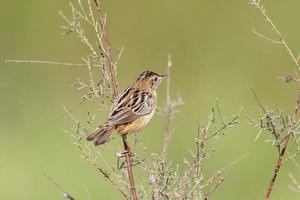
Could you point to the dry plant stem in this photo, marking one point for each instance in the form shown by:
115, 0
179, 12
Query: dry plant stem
280, 160
220, 178
92, 162
108, 54
104, 173
282, 148
107, 50
291, 157
129, 167
49, 62
266, 38
282, 41
277, 167
168, 130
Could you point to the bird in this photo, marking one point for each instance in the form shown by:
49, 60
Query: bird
131, 110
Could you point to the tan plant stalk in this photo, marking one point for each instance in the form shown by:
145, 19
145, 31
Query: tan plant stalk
111, 68
283, 146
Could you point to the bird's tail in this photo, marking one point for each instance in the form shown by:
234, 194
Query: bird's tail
101, 134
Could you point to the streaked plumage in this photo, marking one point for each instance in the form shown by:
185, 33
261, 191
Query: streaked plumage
132, 109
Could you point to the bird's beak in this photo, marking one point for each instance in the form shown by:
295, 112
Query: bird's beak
163, 76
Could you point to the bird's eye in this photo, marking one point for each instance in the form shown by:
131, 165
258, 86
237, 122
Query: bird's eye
155, 79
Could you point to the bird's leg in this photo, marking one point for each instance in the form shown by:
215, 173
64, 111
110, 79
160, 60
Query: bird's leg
127, 154
126, 150
126, 146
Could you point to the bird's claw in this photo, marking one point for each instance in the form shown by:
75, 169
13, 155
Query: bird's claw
123, 153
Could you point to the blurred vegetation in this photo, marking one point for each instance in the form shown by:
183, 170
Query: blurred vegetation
215, 55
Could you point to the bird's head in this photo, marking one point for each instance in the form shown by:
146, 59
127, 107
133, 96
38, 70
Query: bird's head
149, 79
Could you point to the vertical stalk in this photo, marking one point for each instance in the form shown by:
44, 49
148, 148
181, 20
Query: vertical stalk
129, 168
111, 69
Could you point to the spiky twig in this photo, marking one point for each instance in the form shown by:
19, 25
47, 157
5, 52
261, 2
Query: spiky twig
283, 150
108, 54
86, 150
107, 48
260, 7
281, 144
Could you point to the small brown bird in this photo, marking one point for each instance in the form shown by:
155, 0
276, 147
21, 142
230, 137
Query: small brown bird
132, 109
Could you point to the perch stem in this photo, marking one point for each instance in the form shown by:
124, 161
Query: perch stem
111, 68
129, 167
107, 51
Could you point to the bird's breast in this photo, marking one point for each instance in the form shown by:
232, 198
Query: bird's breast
136, 125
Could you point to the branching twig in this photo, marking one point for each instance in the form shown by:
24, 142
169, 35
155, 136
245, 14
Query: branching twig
108, 54
257, 4
95, 90
282, 146
85, 152
265, 37
220, 176
50, 62
107, 50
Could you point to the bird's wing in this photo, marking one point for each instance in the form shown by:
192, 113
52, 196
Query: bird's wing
131, 105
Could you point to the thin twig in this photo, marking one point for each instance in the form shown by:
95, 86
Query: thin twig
49, 62
265, 37
262, 10
87, 191
107, 53
258, 101
220, 176
118, 57
290, 157
87, 157
168, 130
280, 160
64, 193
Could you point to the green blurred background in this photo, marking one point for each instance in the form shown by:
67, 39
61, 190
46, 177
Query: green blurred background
215, 55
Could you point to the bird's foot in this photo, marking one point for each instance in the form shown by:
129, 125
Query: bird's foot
122, 154
123, 163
